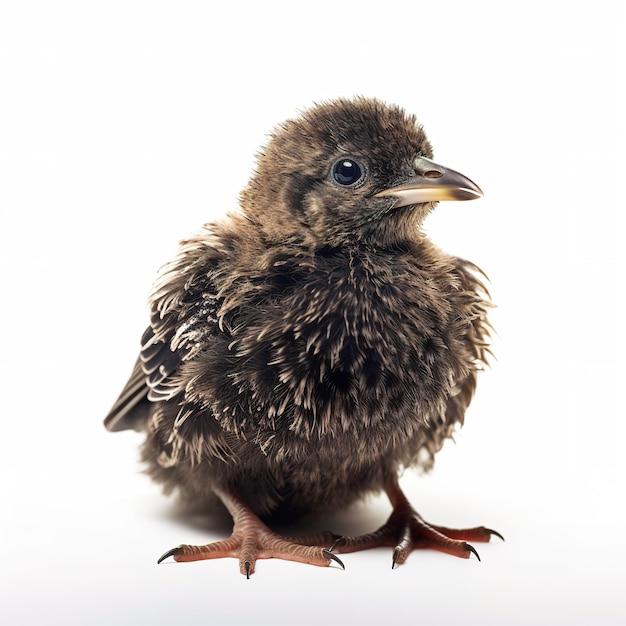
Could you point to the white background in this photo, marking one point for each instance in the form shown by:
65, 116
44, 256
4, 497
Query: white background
126, 125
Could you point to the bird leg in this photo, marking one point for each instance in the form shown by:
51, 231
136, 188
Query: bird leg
251, 539
406, 530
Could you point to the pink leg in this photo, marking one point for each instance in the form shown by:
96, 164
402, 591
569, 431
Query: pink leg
251, 539
405, 530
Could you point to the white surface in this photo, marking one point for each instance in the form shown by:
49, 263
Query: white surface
124, 127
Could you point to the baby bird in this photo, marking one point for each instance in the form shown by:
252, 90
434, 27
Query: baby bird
304, 350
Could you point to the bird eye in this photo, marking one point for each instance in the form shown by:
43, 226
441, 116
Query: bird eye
347, 172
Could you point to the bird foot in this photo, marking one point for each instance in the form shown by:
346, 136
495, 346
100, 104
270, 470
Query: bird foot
251, 540
406, 530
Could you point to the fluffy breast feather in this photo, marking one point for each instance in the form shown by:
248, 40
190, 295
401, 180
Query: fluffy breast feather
306, 355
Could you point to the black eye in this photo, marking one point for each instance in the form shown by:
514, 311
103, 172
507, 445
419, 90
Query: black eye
347, 172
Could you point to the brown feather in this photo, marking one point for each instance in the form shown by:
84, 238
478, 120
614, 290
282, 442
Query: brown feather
323, 342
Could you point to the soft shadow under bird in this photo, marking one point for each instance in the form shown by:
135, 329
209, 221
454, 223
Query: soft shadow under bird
303, 351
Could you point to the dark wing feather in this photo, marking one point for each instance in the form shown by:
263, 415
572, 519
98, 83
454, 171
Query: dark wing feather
184, 317
159, 362
165, 345
130, 410
148, 381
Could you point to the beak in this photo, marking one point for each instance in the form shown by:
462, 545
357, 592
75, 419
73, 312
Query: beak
433, 183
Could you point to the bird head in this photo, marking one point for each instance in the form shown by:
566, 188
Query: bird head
349, 170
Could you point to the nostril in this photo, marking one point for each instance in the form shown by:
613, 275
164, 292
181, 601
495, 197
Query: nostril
432, 174
426, 168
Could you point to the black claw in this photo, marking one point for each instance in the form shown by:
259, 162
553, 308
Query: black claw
169, 553
394, 560
495, 532
329, 555
472, 549
248, 567
336, 540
